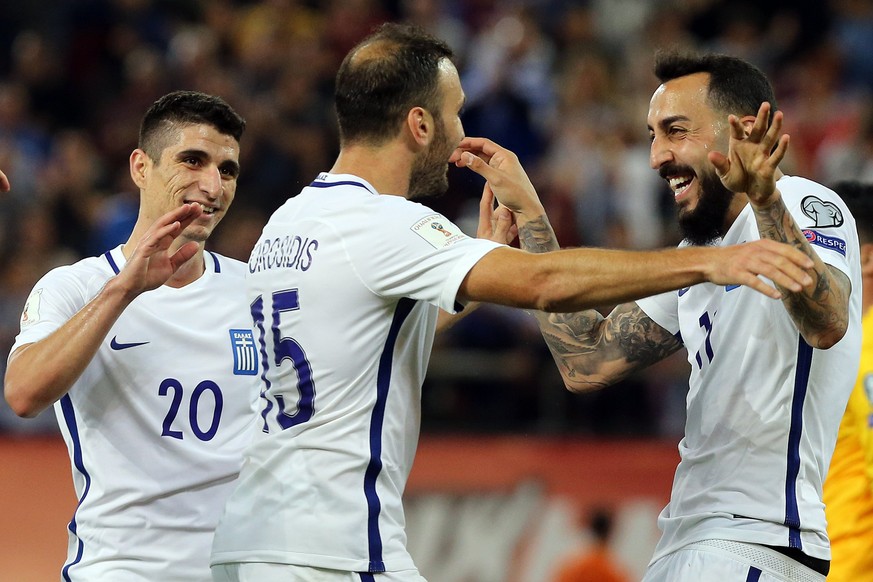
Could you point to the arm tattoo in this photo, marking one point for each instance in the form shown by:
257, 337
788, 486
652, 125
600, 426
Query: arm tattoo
592, 351
822, 309
537, 236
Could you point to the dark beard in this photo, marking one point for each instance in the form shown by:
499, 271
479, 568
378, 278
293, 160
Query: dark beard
703, 225
430, 173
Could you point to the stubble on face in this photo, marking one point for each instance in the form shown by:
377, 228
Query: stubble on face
429, 177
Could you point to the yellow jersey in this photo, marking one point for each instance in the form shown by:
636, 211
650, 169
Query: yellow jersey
848, 489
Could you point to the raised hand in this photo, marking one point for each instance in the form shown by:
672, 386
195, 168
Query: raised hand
496, 224
152, 263
752, 162
504, 174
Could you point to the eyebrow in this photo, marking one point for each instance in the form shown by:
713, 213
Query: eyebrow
229, 165
669, 120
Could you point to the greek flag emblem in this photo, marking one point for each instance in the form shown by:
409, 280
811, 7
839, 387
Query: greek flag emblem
245, 357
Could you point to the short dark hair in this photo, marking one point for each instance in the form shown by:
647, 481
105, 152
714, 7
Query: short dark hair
186, 108
377, 88
735, 86
858, 196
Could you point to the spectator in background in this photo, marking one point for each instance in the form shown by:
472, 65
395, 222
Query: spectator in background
848, 490
595, 563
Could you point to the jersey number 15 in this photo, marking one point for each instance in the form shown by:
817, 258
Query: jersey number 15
284, 348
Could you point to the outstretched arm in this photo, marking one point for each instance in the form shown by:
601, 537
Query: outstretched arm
592, 351
820, 310
40, 373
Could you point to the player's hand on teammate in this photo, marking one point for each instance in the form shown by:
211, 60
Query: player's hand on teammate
504, 174
779, 262
152, 263
751, 162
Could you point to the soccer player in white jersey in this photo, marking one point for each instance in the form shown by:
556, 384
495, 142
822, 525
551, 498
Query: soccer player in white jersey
345, 284
148, 356
769, 381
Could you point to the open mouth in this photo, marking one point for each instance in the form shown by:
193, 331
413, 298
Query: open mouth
679, 184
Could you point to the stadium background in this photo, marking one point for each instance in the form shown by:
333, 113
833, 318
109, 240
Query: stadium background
508, 458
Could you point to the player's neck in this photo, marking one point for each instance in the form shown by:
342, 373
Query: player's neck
386, 168
187, 273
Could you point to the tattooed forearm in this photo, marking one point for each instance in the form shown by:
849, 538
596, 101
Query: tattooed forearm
537, 236
820, 312
592, 352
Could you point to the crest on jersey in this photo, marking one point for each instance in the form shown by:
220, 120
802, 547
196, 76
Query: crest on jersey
30, 314
245, 356
437, 231
823, 213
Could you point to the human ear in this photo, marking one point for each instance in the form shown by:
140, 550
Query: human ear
420, 123
139, 162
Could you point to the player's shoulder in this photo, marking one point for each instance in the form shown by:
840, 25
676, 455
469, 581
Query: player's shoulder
796, 188
83, 270
227, 267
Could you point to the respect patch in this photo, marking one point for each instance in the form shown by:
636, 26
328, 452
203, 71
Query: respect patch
826, 242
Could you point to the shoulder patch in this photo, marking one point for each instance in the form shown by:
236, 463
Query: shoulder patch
437, 231
30, 314
245, 356
826, 242
821, 212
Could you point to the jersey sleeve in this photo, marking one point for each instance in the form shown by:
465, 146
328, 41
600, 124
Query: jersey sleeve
420, 254
824, 220
663, 309
55, 298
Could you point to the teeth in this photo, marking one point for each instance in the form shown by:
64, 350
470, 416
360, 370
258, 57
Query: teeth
207, 209
678, 183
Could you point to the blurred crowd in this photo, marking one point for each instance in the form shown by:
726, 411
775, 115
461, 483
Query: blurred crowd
564, 83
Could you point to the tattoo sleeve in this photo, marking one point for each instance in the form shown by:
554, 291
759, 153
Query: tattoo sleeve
820, 311
537, 236
592, 351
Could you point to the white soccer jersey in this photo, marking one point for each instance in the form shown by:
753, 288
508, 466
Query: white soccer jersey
763, 407
157, 423
344, 285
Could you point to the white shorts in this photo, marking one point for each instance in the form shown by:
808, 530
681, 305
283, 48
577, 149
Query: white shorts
268, 572
727, 561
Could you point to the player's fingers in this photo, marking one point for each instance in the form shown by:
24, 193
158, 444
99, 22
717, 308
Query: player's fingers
479, 166
503, 222
759, 128
780, 151
737, 130
753, 282
4, 182
721, 163
183, 254
486, 213
480, 145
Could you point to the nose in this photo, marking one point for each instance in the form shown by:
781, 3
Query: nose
210, 182
659, 154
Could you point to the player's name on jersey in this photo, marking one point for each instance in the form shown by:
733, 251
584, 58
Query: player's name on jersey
288, 252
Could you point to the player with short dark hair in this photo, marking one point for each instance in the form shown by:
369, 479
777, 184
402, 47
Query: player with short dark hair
147, 354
